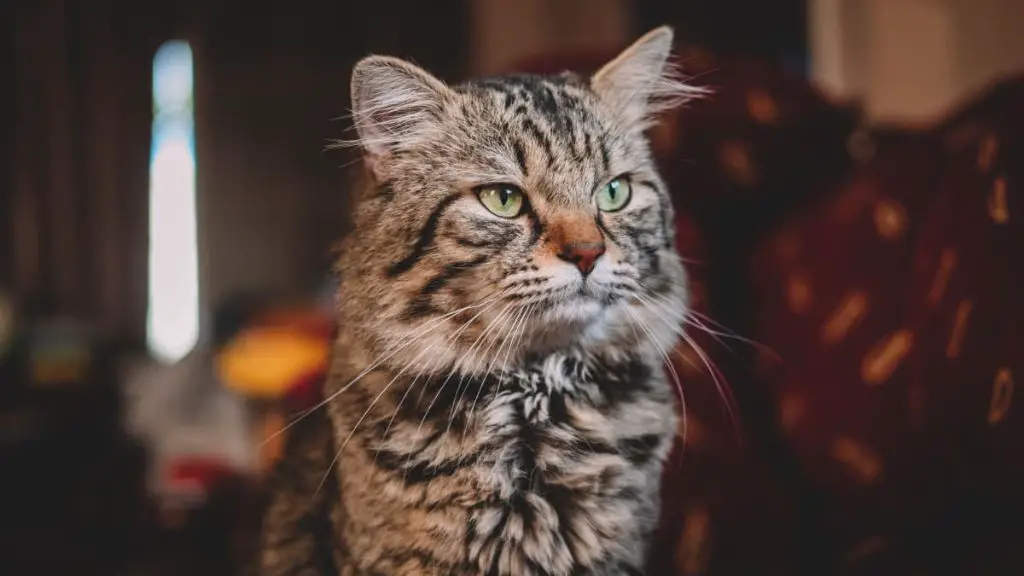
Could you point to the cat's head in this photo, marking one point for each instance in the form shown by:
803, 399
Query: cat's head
512, 214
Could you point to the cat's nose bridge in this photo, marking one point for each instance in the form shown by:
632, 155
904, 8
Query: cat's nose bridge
576, 238
573, 227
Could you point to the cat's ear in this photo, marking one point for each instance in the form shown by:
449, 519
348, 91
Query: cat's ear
640, 82
394, 103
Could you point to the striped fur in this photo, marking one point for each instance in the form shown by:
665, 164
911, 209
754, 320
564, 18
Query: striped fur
491, 409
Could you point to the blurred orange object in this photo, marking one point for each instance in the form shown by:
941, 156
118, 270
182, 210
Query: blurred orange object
266, 362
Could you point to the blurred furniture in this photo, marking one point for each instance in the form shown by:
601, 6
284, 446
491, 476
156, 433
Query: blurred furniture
859, 289
213, 424
72, 490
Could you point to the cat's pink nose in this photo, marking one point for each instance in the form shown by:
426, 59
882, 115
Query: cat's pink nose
583, 254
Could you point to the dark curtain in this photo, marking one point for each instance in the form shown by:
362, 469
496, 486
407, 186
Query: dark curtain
78, 105
270, 79
775, 30
7, 116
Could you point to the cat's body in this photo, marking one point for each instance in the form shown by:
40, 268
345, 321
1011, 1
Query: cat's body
555, 472
497, 403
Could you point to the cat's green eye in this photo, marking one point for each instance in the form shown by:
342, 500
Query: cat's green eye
503, 200
614, 196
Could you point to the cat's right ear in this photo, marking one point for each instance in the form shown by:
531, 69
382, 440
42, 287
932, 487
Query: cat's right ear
394, 103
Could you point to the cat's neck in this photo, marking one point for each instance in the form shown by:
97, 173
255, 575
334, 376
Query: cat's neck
570, 433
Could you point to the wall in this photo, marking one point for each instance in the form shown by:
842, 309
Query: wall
911, 60
504, 33
271, 93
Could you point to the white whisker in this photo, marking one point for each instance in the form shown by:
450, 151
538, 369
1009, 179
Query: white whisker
386, 355
675, 376
491, 332
716, 375
518, 322
370, 408
444, 384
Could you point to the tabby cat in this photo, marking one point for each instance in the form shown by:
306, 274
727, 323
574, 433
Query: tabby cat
497, 402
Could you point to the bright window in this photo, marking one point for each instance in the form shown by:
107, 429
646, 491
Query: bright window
172, 323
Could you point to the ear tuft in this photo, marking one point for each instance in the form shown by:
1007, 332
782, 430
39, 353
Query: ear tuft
394, 104
641, 83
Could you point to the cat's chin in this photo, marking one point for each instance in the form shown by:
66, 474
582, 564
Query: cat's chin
569, 322
573, 313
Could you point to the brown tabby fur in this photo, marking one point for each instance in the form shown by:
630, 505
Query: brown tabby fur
493, 407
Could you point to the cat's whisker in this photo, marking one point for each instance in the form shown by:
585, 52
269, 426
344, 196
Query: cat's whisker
662, 303
428, 366
527, 315
444, 384
501, 380
492, 332
518, 338
714, 334
717, 376
369, 408
487, 371
489, 332
678, 353
632, 326
505, 342
668, 363
350, 163
511, 340
697, 320
451, 337
724, 332
386, 355
724, 391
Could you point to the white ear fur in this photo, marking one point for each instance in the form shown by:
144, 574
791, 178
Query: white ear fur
394, 103
640, 83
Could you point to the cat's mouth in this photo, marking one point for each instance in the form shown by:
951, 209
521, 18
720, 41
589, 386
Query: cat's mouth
580, 303
576, 301
597, 292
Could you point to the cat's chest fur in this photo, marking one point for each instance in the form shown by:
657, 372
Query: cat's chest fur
551, 469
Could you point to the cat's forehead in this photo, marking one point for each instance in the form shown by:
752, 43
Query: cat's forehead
555, 99
526, 85
550, 130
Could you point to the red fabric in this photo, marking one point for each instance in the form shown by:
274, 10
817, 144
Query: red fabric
203, 471
895, 307
305, 393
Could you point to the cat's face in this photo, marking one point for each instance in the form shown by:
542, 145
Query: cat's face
512, 214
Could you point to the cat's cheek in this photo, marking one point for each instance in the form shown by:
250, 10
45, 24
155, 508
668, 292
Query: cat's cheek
544, 258
612, 258
601, 276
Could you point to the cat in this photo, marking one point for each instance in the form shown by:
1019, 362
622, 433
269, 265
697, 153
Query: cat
497, 402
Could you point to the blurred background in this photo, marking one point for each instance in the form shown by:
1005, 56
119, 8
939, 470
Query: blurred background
851, 200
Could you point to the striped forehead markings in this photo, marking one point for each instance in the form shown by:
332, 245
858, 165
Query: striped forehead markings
549, 111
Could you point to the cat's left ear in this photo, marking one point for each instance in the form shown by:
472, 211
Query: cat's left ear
395, 104
640, 82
